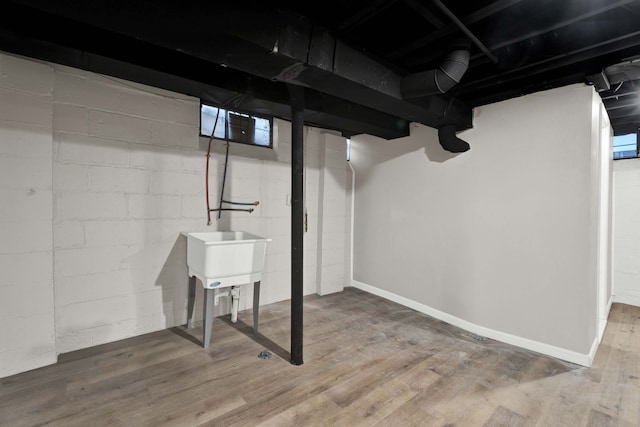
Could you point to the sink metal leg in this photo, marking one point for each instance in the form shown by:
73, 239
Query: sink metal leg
209, 296
191, 302
256, 305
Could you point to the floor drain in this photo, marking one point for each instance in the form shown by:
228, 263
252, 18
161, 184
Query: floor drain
264, 355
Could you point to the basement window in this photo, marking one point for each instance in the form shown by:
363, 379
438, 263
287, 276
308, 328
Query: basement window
237, 126
625, 146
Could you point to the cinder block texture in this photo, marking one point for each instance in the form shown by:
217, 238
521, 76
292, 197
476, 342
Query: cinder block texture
26, 274
99, 177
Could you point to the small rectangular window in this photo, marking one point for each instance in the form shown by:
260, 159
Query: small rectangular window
236, 126
625, 146
348, 149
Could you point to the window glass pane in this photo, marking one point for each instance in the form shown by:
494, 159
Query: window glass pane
625, 146
242, 127
207, 118
348, 149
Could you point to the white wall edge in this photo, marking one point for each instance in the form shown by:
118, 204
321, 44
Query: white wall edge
602, 324
353, 212
629, 299
546, 349
594, 349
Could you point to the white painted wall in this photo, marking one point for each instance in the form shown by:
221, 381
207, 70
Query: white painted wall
126, 182
331, 215
26, 256
626, 234
603, 216
118, 172
501, 238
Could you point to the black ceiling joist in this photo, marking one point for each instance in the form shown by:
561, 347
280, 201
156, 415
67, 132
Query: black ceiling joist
425, 13
465, 30
185, 74
598, 50
632, 111
349, 66
480, 14
557, 25
621, 102
365, 14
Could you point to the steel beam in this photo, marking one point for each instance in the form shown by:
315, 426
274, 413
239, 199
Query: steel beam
274, 45
297, 221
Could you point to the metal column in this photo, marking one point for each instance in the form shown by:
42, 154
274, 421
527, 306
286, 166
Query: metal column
297, 220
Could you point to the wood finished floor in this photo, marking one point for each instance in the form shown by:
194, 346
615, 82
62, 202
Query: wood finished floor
368, 362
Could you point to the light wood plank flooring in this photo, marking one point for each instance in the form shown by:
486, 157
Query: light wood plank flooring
368, 362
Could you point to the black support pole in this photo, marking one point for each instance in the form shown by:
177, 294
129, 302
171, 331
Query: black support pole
297, 220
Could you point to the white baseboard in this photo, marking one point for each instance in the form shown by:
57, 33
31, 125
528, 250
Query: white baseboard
602, 325
609, 304
593, 351
627, 298
549, 350
603, 322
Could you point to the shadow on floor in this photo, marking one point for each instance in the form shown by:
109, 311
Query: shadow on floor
181, 331
241, 327
269, 345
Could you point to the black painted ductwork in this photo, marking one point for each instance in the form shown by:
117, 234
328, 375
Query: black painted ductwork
439, 80
449, 141
274, 45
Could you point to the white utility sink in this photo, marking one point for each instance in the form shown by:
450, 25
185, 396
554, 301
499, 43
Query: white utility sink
224, 259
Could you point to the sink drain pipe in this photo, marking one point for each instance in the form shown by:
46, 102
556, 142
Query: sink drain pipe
234, 293
235, 302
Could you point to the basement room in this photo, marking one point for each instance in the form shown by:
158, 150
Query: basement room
357, 213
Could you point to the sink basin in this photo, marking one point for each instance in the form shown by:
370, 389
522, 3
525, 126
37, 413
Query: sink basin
225, 258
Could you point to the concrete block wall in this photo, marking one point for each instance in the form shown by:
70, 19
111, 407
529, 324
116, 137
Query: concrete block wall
269, 182
26, 249
124, 189
626, 231
125, 168
331, 215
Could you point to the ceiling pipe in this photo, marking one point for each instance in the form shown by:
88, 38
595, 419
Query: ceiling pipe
438, 80
449, 141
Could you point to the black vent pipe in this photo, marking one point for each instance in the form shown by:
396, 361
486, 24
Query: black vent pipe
438, 80
449, 140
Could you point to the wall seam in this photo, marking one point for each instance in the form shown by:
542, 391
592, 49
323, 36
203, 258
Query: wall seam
53, 212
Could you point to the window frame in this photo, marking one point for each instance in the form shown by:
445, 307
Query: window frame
237, 111
637, 134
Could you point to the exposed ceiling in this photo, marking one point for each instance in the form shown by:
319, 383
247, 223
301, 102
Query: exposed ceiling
359, 61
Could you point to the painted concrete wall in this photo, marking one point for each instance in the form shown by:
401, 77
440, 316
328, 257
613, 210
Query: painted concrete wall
626, 235
118, 172
27, 335
331, 217
602, 152
126, 181
501, 237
